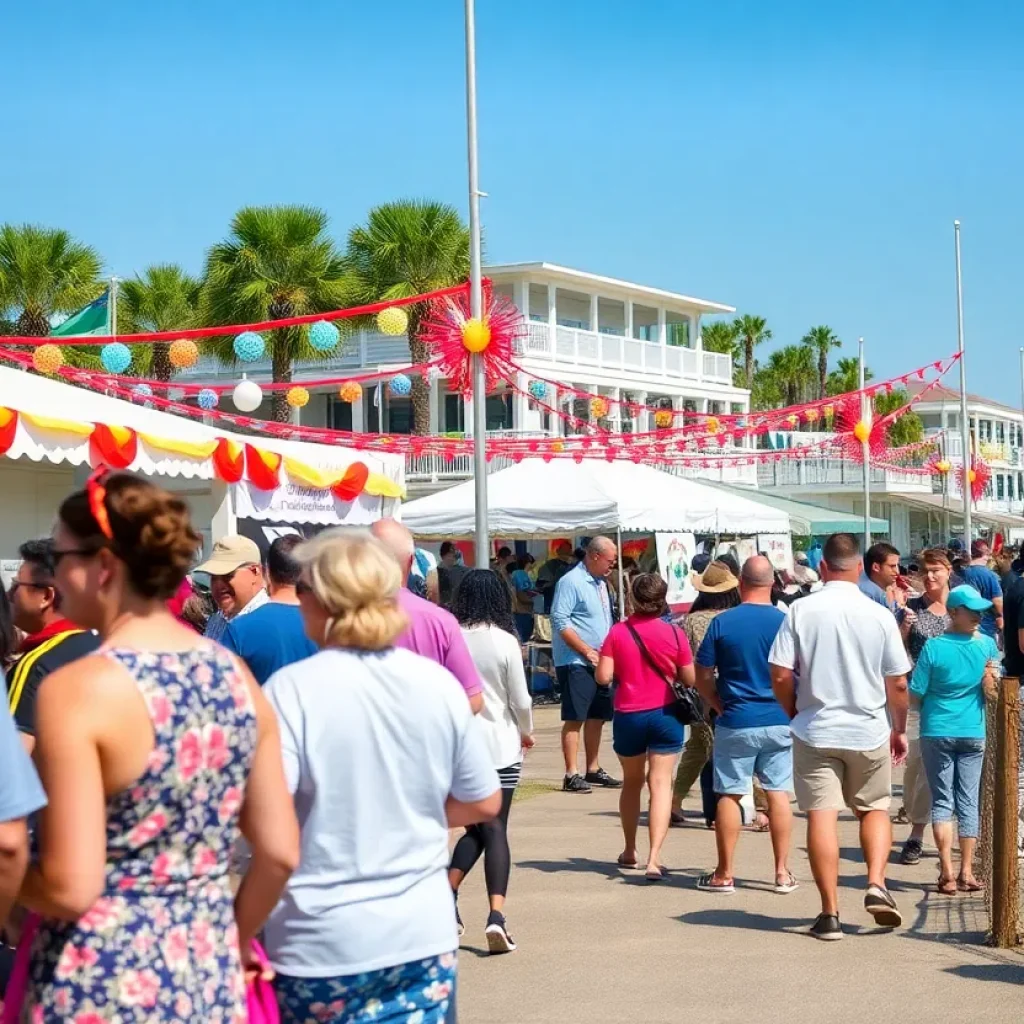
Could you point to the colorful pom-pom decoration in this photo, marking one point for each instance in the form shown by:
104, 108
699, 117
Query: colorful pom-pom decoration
811, 415
323, 336
862, 431
350, 392
712, 424
598, 408
183, 354
249, 346
828, 412
207, 399
476, 335
793, 420
393, 321
400, 385
247, 396
663, 418
142, 392
115, 357
943, 466
48, 358
297, 397
538, 389
558, 446
972, 476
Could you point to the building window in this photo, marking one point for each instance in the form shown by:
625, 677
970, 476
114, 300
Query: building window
678, 334
1000, 487
1009, 486
1000, 432
499, 412
690, 404
340, 414
454, 414
399, 415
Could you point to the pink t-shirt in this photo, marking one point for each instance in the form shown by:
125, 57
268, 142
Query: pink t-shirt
640, 687
435, 634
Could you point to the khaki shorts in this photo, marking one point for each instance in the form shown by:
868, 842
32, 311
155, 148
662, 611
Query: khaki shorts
827, 779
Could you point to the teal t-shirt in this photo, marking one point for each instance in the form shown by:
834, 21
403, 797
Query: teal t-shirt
948, 681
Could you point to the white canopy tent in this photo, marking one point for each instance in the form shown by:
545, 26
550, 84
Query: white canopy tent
543, 499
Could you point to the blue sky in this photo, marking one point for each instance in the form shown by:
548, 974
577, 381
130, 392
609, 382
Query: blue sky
800, 160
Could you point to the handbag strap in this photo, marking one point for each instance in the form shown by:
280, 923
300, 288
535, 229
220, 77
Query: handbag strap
647, 654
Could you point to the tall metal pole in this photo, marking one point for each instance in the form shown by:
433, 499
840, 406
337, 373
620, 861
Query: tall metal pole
965, 424
112, 307
865, 416
476, 299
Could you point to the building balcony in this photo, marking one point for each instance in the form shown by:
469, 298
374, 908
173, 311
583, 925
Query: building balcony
1000, 452
823, 475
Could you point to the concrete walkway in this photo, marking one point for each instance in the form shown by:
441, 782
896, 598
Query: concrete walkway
602, 946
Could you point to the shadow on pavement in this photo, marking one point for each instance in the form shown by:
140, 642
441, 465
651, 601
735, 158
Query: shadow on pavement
746, 921
1011, 974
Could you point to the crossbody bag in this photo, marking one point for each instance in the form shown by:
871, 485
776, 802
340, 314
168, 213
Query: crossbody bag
687, 706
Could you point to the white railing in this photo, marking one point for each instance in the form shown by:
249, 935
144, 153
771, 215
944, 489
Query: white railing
991, 451
817, 474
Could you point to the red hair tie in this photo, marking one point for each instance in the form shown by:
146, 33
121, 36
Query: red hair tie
97, 495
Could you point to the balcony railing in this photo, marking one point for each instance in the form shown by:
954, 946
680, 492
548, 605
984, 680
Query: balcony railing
836, 473
990, 451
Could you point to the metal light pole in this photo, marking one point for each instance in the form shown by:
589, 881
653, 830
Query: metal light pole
476, 299
865, 412
965, 425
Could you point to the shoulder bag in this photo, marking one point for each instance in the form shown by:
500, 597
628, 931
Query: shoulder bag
687, 706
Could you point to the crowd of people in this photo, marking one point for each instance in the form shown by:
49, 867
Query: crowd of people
284, 760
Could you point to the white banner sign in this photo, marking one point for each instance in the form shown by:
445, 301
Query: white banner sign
779, 549
741, 549
675, 552
291, 504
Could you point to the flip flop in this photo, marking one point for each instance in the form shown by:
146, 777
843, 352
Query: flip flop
974, 886
630, 864
654, 874
946, 887
764, 825
788, 886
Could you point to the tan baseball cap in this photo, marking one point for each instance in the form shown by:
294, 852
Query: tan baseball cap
231, 553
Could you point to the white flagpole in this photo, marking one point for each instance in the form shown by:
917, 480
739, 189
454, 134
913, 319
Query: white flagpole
965, 423
112, 308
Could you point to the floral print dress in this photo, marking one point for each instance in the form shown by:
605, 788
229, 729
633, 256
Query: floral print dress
161, 944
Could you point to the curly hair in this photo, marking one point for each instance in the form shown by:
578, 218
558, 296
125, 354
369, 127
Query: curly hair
482, 599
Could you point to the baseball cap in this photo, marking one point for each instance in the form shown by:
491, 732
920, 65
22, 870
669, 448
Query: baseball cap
966, 596
231, 553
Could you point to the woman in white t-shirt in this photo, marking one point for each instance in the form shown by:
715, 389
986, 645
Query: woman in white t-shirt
484, 610
382, 757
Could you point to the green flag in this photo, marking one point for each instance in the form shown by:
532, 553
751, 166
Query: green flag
88, 321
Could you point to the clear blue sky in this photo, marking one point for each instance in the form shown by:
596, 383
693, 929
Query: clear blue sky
800, 160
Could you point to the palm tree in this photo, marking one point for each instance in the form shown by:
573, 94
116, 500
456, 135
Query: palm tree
751, 331
44, 271
821, 340
846, 377
719, 336
163, 298
793, 370
908, 429
278, 262
407, 248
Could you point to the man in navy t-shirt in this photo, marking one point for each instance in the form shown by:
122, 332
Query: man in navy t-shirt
986, 583
273, 636
752, 734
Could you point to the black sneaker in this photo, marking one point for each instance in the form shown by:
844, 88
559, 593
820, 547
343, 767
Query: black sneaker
912, 850
498, 938
574, 784
603, 779
458, 917
882, 907
827, 928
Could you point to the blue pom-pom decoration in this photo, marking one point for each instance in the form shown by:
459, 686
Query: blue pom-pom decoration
249, 346
142, 391
323, 336
207, 399
538, 389
115, 357
400, 385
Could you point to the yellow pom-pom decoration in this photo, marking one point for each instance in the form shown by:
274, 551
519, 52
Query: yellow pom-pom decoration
972, 476
811, 415
558, 446
394, 321
48, 358
350, 392
476, 335
943, 466
663, 418
862, 431
712, 424
598, 408
297, 397
793, 420
183, 353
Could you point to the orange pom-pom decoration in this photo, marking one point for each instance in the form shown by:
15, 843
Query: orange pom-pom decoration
48, 358
350, 392
183, 353
598, 408
663, 418
862, 431
713, 424
476, 335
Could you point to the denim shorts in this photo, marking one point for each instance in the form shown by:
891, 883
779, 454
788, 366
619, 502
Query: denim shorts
953, 766
657, 731
740, 754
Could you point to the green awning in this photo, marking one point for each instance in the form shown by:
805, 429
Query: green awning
807, 520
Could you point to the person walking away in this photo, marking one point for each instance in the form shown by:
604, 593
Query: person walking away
881, 571
235, 569
849, 720
717, 591
950, 679
977, 574
752, 737
483, 611
51, 639
383, 757
523, 593
581, 616
450, 572
153, 752
430, 631
552, 571
646, 655
273, 636
923, 618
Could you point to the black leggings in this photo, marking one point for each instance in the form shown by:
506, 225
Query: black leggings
491, 840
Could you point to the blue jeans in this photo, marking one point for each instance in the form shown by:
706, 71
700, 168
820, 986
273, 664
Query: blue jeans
953, 766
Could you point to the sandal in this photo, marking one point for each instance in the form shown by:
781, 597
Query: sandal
632, 865
972, 886
654, 874
788, 885
946, 887
676, 820
760, 823
708, 883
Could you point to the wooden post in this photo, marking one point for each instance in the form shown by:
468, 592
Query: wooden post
1004, 881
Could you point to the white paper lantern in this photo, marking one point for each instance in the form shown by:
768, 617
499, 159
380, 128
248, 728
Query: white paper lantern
247, 396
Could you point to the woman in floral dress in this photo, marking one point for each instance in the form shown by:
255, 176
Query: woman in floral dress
154, 753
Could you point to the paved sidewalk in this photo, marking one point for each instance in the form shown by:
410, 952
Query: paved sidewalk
604, 946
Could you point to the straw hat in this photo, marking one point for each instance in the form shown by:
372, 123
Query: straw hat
716, 579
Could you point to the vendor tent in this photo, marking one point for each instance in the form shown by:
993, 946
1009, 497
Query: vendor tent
537, 498
808, 520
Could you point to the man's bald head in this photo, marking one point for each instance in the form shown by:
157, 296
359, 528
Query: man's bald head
756, 579
398, 540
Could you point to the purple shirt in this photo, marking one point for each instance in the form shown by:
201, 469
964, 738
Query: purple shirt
435, 634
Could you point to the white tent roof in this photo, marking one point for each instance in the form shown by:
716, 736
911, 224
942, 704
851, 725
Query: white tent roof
538, 498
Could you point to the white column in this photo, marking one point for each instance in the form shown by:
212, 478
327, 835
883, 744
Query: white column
467, 414
552, 312
434, 389
703, 405
520, 404
521, 297
615, 410
696, 341
594, 313
629, 318
640, 425
358, 417
662, 331
554, 400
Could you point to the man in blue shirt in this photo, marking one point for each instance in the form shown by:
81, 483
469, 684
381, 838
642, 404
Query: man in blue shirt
274, 635
581, 616
881, 570
986, 583
752, 735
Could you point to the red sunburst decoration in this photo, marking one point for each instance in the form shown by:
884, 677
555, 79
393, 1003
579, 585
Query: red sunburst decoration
978, 477
444, 329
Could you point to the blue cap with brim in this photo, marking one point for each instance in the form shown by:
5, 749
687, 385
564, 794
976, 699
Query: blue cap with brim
967, 597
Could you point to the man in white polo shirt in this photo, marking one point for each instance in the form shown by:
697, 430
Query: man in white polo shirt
839, 669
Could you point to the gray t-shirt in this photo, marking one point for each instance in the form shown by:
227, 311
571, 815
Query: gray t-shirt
373, 745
